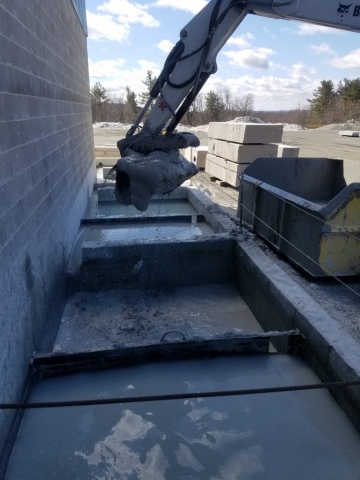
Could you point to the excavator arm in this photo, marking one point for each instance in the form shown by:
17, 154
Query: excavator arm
193, 59
185, 72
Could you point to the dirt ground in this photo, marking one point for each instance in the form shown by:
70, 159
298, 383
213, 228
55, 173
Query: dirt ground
338, 300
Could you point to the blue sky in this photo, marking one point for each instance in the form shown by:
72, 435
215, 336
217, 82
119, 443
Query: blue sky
280, 62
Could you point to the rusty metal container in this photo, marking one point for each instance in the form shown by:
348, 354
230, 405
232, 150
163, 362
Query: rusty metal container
305, 209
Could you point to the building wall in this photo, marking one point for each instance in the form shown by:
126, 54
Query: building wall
46, 172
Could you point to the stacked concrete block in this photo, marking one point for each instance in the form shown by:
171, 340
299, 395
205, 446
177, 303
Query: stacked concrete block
241, 153
246, 132
288, 151
224, 169
47, 172
196, 155
349, 133
106, 155
233, 146
187, 153
105, 151
199, 156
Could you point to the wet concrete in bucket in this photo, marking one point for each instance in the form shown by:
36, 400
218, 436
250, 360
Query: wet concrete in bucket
293, 435
116, 318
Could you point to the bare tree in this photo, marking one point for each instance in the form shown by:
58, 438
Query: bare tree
244, 106
198, 105
227, 99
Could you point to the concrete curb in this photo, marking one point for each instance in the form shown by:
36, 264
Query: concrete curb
331, 351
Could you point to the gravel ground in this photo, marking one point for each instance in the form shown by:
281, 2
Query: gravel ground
324, 143
338, 300
316, 143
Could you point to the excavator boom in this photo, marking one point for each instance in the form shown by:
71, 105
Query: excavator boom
186, 70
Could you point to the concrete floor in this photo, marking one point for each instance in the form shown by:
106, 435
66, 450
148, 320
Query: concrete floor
322, 143
106, 320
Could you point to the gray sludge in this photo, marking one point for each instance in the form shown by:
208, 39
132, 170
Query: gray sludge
139, 177
152, 165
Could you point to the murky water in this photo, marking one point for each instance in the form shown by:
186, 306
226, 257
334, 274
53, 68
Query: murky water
288, 436
156, 207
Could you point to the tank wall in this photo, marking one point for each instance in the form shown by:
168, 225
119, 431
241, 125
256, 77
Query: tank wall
314, 179
46, 172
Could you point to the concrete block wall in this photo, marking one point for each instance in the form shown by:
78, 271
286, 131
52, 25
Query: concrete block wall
46, 173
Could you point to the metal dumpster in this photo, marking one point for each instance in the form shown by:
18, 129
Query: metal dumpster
304, 208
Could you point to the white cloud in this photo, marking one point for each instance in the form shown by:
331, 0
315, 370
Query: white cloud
129, 12
250, 58
103, 27
271, 92
322, 49
114, 77
241, 42
352, 60
165, 45
311, 29
192, 6
106, 68
300, 70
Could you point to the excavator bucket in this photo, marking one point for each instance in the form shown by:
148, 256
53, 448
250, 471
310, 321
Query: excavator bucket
152, 165
139, 177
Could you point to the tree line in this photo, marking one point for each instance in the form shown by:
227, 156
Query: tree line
335, 103
214, 106
330, 104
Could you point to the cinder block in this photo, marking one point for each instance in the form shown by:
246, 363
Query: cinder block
349, 133
288, 151
222, 162
224, 169
187, 153
16, 107
102, 151
246, 132
199, 156
240, 153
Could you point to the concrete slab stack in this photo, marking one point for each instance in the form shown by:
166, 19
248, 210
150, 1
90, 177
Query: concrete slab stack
234, 145
199, 156
288, 151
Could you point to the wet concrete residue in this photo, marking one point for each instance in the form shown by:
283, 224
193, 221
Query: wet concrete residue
270, 437
105, 320
140, 177
180, 231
